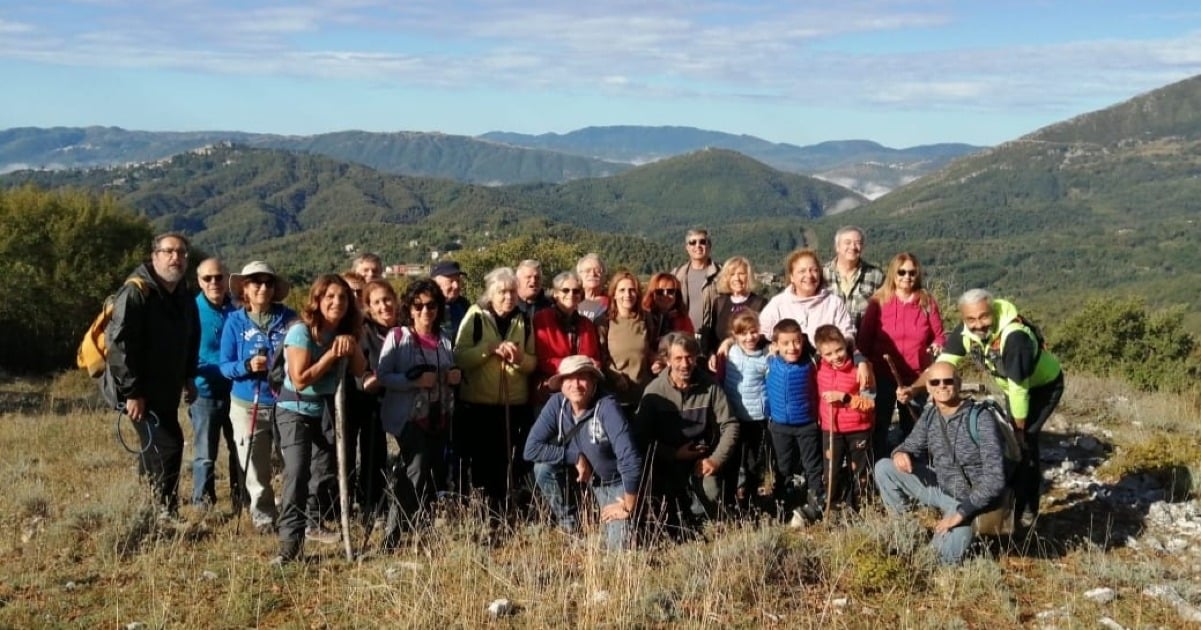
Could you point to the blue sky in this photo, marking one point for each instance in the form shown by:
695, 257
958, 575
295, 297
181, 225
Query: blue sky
895, 71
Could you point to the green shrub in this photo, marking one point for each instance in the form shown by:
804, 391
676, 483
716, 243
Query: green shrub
1121, 338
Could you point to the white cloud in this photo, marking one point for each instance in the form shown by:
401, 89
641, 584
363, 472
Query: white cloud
764, 51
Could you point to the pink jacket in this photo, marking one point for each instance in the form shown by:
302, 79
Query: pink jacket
810, 312
853, 416
902, 330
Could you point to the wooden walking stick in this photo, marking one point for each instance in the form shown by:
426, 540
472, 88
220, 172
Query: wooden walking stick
830, 456
896, 377
343, 474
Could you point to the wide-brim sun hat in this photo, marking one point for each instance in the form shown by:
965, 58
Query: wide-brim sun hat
572, 365
259, 268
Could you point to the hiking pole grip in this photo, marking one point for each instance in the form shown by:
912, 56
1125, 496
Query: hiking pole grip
896, 377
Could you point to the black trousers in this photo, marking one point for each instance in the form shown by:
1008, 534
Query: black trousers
495, 457
162, 454
1028, 479
797, 448
849, 455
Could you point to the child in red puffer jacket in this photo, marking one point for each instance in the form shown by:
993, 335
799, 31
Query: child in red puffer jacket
846, 417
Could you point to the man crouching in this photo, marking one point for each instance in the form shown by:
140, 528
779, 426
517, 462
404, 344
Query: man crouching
965, 475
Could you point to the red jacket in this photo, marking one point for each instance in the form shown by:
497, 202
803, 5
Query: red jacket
903, 331
552, 343
852, 416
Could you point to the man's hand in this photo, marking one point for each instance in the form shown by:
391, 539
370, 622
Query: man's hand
135, 408
706, 467
901, 460
615, 511
583, 469
904, 394
258, 364
189, 392
948, 522
427, 380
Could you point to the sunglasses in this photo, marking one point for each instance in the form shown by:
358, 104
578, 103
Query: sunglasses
666, 292
698, 241
907, 272
571, 291
939, 382
424, 306
211, 279
266, 281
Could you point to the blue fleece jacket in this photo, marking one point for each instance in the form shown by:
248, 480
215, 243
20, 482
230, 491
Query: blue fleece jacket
210, 383
791, 391
606, 441
241, 340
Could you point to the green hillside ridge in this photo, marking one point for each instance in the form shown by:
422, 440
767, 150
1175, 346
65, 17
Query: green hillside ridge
1111, 207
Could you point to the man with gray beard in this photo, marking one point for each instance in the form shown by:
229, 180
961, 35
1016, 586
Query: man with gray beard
153, 343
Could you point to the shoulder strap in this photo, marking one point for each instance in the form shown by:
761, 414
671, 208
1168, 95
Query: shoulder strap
139, 283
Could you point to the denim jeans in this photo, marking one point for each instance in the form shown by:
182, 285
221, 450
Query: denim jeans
210, 418
558, 492
617, 533
898, 489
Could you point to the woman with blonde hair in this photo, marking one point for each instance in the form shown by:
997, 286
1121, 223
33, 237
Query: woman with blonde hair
735, 294
902, 321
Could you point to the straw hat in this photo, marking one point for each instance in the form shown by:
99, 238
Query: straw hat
575, 364
259, 268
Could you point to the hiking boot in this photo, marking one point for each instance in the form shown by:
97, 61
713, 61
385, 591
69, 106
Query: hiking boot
322, 535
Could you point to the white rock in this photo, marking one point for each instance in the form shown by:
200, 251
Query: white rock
840, 602
70, 586
500, 607
1176, 545
135, 625
209, 575
600, 597
1110, 623
1187, 611
1102, 595
1054, 613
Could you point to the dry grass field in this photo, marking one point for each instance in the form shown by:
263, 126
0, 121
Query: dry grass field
79, 547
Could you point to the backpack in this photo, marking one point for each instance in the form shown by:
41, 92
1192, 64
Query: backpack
92, 354
1012, 449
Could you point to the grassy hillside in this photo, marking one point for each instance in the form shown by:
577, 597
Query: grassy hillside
1108, 202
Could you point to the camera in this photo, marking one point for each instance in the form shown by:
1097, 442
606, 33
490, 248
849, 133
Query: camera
417, 371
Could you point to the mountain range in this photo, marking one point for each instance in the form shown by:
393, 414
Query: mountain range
495, 158
1105, 202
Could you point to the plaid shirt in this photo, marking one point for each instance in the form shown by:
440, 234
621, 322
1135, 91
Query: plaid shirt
866, 281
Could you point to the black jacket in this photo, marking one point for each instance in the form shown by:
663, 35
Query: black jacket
153, 342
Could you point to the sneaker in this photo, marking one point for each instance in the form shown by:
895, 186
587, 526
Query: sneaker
322, 535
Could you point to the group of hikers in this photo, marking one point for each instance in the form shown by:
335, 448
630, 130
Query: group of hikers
649, 406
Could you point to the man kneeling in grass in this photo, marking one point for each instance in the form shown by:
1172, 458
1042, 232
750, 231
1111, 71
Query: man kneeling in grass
965, 476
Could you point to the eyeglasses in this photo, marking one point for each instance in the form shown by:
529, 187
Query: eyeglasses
698, 241
183, 253
939, 382
912, 273
666, 292
266, 281
211, 279
424, 306
576, 291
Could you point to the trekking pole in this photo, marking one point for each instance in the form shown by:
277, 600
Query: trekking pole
504, 396
340, 439
245, 471
896, 377
830, 454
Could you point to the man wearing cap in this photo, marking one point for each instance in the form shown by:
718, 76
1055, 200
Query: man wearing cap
449, 277
581, 437
253, 335
209, 413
